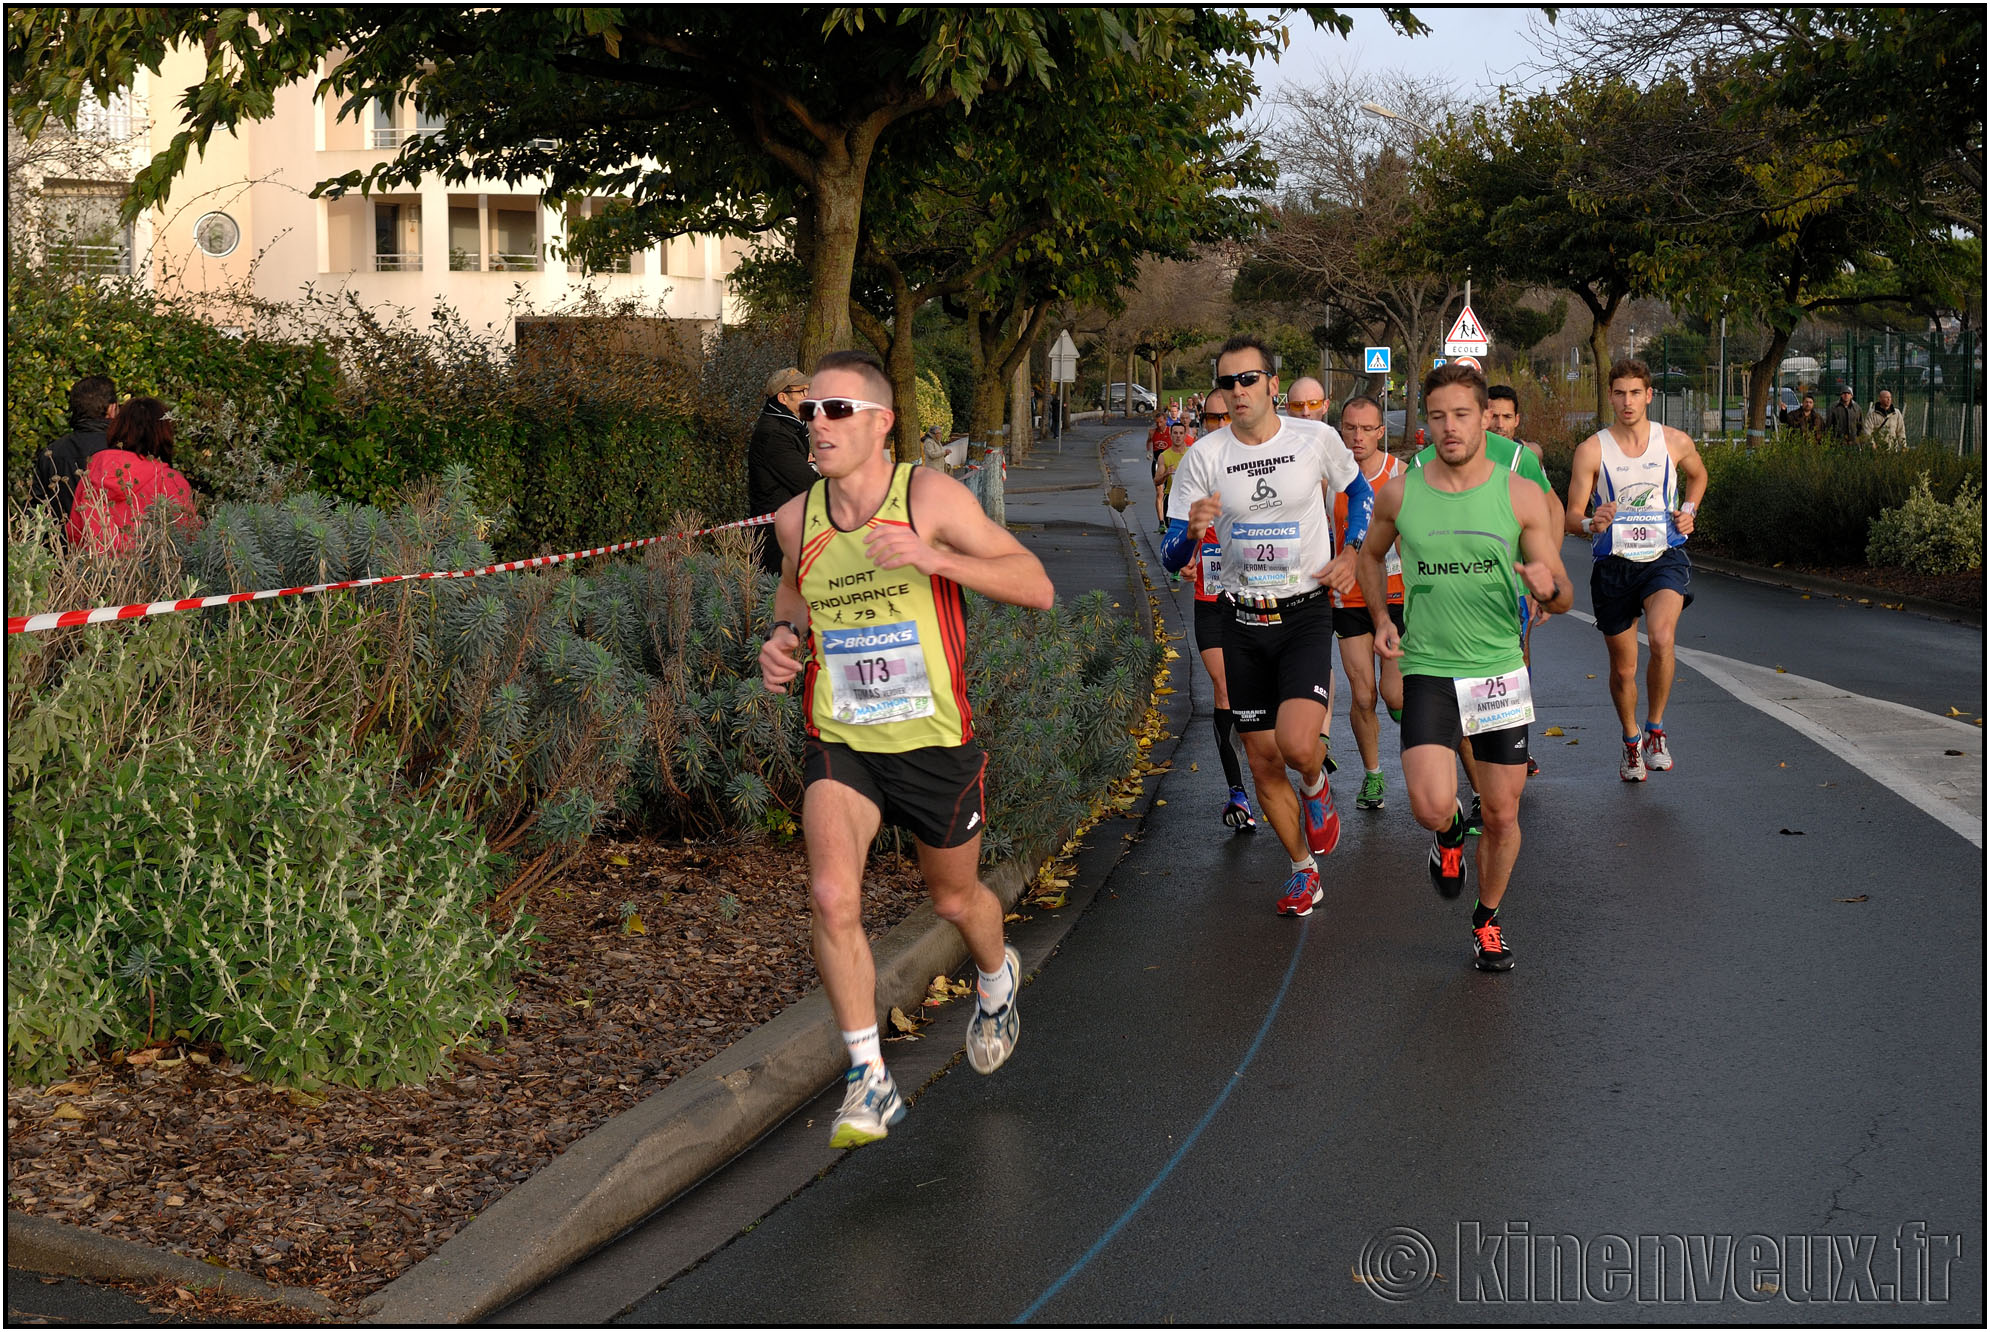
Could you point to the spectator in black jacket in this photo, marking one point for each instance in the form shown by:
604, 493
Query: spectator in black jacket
777, 461
92, 402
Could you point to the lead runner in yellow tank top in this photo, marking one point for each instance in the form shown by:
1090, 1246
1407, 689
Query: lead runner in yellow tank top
868, 613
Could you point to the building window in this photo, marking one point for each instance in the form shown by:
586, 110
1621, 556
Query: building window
81, 228
383, 134
217, 235
515, 232
397, 237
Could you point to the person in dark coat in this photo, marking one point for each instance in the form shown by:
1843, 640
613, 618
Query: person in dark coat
92, 402
777, 461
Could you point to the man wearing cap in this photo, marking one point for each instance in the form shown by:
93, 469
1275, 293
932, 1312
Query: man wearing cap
1844, 422
777, 462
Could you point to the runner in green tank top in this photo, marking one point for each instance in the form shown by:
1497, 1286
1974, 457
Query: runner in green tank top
1474, 537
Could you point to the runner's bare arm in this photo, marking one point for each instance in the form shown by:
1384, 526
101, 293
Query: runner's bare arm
1540, 547
956, 540
1582, 485
1372, 573
1692, 472
780, 655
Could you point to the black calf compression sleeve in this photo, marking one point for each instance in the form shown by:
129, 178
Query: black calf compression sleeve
1226, 746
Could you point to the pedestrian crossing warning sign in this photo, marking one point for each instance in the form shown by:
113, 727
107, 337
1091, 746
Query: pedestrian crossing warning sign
1375, 361
1467, 337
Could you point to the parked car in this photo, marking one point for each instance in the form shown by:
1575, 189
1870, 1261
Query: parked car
1143, 398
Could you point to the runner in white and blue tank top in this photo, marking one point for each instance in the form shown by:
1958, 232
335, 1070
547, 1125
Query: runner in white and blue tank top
1638, 470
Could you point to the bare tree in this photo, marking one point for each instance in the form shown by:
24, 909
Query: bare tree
1345, 201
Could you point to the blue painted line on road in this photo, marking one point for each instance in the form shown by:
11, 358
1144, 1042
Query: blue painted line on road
1112, 1231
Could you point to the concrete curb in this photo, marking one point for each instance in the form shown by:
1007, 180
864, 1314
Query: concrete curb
1837, 587
37, 1244
641, 1159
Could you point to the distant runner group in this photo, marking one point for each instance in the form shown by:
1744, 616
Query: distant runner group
1294, 533
1462, 548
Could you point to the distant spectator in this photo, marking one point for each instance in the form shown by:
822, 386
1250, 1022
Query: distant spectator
1844, 421
1885, 428
777, 463
1805, 420
125, 477
935, 449
92, 402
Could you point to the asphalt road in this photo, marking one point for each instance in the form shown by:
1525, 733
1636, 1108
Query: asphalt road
1736, 1076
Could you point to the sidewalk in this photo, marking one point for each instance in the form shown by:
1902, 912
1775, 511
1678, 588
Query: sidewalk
638, 1163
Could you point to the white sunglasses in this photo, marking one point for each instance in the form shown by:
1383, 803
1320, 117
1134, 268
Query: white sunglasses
836, 409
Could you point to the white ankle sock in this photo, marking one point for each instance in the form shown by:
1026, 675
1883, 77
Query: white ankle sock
994, 991
864, 1048
1316, 787
1307, 864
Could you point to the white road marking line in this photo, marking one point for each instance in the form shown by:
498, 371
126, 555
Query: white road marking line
1962, 812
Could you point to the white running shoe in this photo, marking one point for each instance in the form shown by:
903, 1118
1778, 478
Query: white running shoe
1633, 767
871, 1105
991, 1037
1657, 757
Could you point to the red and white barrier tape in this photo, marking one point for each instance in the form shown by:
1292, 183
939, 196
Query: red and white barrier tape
30, 624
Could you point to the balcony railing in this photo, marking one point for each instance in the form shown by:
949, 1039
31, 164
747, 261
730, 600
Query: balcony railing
397, 263
515, 263
92, 260
393, 136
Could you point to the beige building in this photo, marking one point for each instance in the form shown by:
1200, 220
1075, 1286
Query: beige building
243, 213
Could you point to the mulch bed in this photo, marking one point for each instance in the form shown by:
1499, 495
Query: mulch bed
1960, 589
343, 1190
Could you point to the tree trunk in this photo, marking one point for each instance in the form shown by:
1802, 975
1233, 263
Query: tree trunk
1761, 376
1022, 433
1601, 315
838, 193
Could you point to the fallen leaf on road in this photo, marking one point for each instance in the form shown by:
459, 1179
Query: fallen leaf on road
68, 1089
1592, 677
1193, 768
1824, 784
66, 1111
1781, 671
1048, 901
618, 860
1575, 742
900, 1022
1955, 712
1860, 898
1953, 753
1806, 596
1782, 765
1554, 730
1790, 832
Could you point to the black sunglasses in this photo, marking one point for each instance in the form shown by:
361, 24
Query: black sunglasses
1245, 378
836, 409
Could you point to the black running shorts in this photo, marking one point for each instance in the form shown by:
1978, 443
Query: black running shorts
1430, 717
1210, 619
1618, 587
933, 793
1356, 622
1266, 664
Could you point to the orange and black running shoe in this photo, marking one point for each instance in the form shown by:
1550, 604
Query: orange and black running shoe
1490, 950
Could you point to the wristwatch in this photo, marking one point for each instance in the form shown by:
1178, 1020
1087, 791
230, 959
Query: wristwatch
788, 625
1588, 524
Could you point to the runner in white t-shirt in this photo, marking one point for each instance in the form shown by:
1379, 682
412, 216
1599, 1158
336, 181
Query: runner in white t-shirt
1264, 483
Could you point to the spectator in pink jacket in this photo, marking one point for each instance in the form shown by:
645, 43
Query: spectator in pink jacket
132, 471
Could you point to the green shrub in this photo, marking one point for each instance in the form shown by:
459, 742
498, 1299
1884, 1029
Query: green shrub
600, 443
934, 409
1802, 503
195, 845
1056, 697
1927, 536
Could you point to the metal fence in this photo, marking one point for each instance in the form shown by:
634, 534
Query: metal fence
1936, 379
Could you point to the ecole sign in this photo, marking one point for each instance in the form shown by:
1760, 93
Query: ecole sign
1467, 337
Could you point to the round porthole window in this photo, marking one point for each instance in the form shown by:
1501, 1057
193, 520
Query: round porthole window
217, 235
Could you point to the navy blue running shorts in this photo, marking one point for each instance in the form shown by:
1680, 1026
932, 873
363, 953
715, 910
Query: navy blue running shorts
1618, 587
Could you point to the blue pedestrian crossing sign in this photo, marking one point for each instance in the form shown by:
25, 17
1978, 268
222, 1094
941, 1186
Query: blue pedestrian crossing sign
1375, 361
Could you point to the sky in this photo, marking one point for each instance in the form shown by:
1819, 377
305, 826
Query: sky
1468, 47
